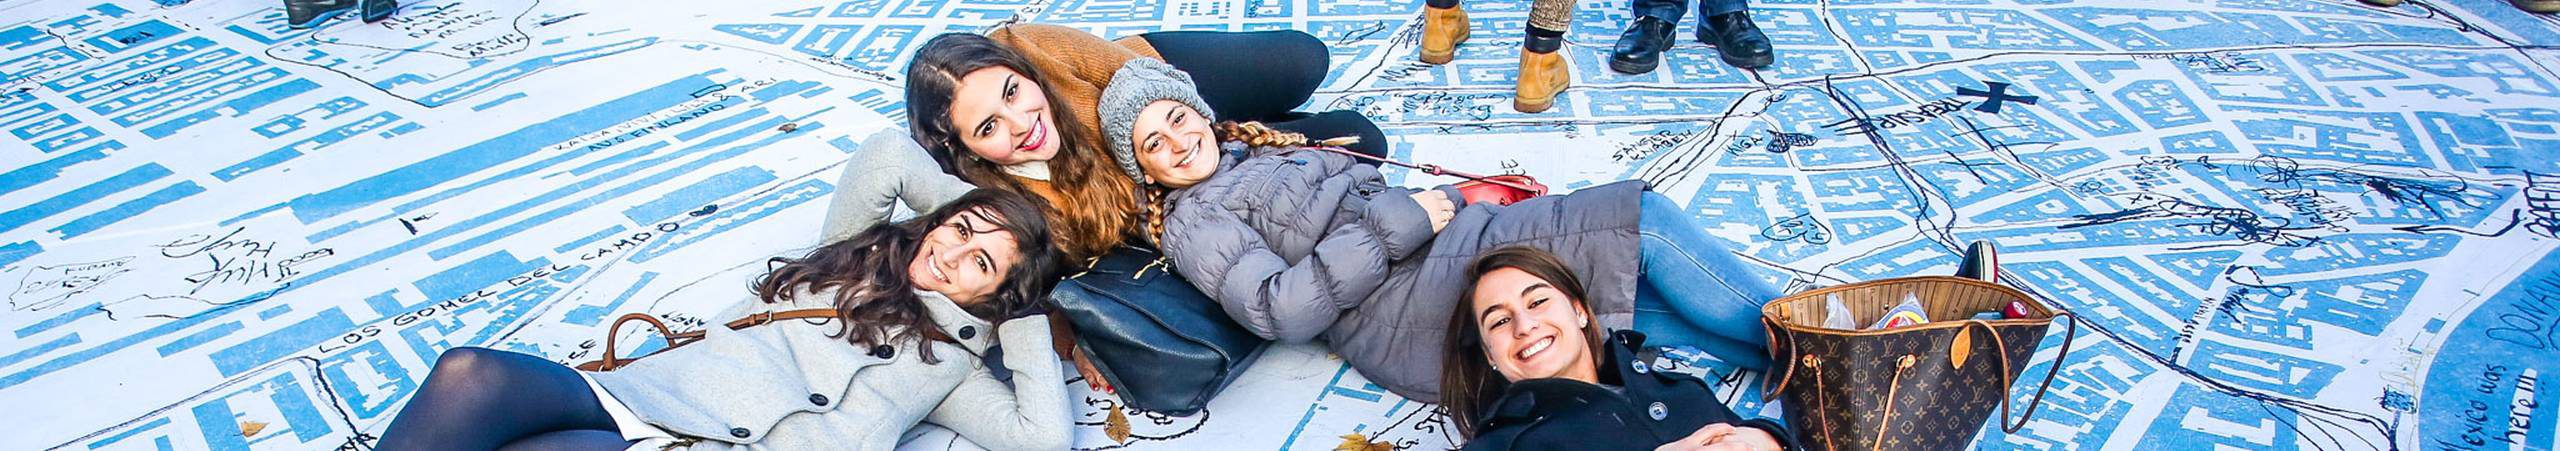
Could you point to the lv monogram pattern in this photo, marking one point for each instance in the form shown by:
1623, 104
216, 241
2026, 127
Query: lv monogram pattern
1838, 400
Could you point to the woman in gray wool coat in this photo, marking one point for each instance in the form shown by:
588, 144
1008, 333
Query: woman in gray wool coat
1299, 243
912, 303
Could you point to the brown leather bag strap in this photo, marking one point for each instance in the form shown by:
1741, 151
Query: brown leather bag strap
612, 359
2007, 426
759, 319
612, 335
1778, 360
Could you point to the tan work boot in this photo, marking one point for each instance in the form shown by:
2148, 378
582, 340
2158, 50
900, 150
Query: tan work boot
1442, 30
1543, 75
2537, 6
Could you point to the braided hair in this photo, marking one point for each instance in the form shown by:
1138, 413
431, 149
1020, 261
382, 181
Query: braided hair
1159, 200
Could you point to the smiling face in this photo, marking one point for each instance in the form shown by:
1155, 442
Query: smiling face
1175, 147
965, 258
1531, 329
1003, 117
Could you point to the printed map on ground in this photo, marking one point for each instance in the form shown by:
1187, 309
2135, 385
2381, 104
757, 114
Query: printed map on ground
2290, 224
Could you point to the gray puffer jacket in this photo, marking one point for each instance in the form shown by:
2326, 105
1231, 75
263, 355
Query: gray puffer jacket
1298, 244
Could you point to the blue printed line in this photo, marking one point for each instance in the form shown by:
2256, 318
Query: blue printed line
81, 196
31, 175
590, 315
12, 252
1313, 406
239, 106
600, 163
644, 182
266, 348
201, 97
155, 423
599, 235
127, 210
698, 194
57, 344
504, 148
722, 123
733, 217
314, 143
182, 344
59, 320
120, 68
162, 86
33, 111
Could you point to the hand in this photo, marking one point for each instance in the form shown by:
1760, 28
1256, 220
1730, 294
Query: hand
1092, 376
1724, 437
1436, 204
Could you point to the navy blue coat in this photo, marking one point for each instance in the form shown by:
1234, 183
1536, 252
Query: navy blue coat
1652, 408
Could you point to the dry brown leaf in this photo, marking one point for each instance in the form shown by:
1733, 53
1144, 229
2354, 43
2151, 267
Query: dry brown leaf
251, 428
1962, 348
1359, 442
1116, 426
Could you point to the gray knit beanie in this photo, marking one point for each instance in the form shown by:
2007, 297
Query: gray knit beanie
1140, 82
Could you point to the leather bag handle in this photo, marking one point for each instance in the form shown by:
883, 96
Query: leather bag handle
1777, 360
612, 336
2007, 381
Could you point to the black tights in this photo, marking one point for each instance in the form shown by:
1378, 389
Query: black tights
1264, 76
479, 398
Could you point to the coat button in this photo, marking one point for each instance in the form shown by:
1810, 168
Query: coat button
968, 332
818, 399
883, 351
1658, 411
1642, 368
739, 432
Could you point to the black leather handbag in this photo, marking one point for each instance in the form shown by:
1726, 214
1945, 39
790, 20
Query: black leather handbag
1164, 345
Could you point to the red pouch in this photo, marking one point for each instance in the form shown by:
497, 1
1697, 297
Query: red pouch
1501, 189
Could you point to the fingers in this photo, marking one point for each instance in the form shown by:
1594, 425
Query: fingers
1710, 433
1092, 376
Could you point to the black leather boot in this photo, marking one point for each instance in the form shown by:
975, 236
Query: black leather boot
1640, 48
1737, 39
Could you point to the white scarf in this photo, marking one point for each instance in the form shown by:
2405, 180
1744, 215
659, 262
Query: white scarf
1035, 170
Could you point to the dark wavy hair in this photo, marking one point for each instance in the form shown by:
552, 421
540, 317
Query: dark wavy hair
1092, 203
1468, 382
876, 303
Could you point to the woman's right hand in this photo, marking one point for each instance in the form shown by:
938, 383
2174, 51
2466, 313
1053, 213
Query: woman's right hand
1437, 204
1724, 437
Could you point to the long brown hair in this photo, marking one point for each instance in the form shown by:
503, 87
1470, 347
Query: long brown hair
1468, 382
1092, 203
875, 302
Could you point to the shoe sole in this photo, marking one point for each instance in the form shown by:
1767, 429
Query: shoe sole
1747, 63
1532, 106
1633, 68
1430, 56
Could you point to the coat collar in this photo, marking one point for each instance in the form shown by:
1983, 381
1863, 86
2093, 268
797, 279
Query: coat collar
973, 333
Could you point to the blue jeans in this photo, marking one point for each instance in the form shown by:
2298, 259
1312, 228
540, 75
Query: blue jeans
1670, 10
1694, 291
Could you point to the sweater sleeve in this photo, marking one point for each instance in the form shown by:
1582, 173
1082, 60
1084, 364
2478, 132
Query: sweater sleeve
888, 169
1277, 299
1075, 64
1031, 414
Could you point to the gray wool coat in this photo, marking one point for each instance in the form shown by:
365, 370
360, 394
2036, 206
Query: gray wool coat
790, 385
1298, 244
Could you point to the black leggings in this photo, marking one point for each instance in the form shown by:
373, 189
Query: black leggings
1264, 76
479, 398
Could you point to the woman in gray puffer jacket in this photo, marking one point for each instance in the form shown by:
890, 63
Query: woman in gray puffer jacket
1299, 243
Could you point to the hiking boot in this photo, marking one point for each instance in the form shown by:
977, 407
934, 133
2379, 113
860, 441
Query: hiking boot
1640, 48
1737, 40
1442, 30
1543, 75
2537, 6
